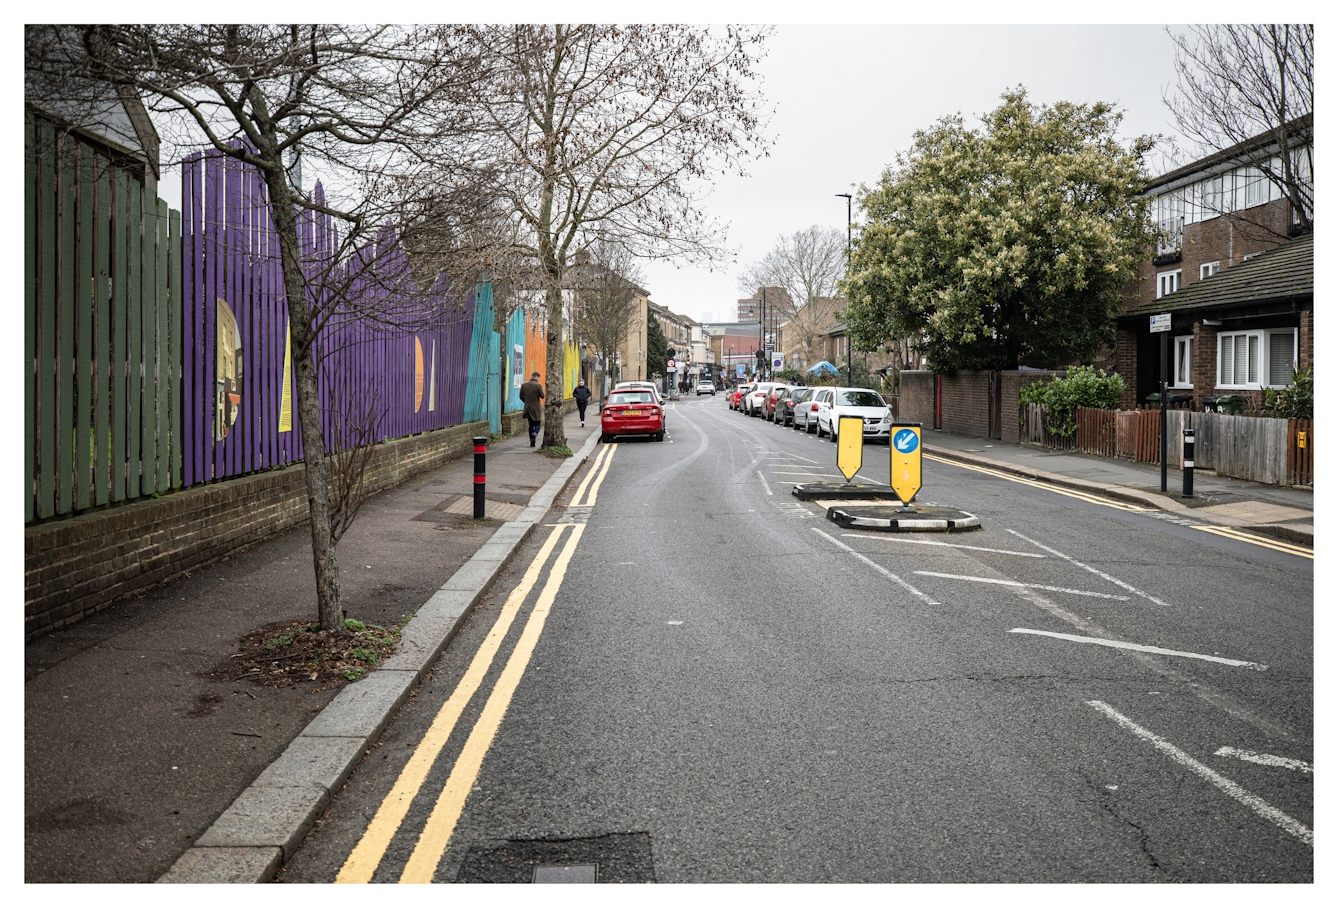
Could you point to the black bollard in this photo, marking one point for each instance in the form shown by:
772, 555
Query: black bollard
1188, 491
480, 473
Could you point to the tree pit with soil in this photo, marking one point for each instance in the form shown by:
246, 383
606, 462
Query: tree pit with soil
287, 653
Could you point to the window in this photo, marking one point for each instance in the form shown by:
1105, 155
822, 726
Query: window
1256, 359
1212, 198
1167, 283
1256, 187
1183, 367
1209, 269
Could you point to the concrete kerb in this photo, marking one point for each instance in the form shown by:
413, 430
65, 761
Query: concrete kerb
252, 839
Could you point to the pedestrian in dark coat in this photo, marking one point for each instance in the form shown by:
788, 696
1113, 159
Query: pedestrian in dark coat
582, 395
531, 393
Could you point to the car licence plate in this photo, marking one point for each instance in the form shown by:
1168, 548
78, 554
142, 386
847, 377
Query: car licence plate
631, 413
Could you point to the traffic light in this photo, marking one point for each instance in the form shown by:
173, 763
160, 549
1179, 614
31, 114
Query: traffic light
761, 357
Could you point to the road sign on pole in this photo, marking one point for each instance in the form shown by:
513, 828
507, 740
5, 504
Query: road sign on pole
850, 446
906, 450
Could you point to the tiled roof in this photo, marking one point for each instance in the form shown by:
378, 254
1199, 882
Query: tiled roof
1282, 273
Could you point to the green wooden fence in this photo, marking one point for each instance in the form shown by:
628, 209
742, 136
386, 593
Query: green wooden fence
101, 331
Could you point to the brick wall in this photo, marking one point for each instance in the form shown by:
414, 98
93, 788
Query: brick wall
1306, 343
916, 402
1126, 363
966, 400
78, 566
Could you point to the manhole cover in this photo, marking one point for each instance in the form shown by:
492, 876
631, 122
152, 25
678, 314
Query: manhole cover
612, 858
567, 873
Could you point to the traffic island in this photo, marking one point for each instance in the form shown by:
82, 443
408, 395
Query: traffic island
887, 518
843, 491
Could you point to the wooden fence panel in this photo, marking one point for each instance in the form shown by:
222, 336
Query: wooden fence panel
1147, 436
97, 304
1301, 452
1096, 431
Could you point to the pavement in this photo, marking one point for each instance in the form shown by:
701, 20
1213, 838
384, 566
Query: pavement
1285, 513
138, 765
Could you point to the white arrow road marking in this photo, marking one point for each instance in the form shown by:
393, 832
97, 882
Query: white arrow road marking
1258, 805
1031, 586
1250, 756
1120, 644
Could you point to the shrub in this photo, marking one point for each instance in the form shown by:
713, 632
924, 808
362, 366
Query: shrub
1296, 401
1081, 386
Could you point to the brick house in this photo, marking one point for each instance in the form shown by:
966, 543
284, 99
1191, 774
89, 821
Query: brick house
1214, 216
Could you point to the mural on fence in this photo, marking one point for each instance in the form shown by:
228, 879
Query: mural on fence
238, 377
181, 371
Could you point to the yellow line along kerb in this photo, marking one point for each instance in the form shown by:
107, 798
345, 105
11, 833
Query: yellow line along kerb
594, 468
362, 862
1274, 544
594, 489
440, 826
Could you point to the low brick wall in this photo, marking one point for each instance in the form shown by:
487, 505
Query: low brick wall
514, 423
966, 404
917, 398
77, 566
1010, 389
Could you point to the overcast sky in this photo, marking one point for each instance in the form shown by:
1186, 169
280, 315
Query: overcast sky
847, 98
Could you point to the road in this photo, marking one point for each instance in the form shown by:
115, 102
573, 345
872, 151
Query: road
688, 675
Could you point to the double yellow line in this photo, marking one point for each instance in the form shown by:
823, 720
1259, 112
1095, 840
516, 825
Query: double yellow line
604, 458
1058, 490
1276, 544
367, 855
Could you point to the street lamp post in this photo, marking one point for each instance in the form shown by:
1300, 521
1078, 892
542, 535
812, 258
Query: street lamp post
850, 369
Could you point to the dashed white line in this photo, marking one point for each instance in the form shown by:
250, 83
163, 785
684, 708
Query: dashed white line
1258, 805
1142, 648
766, 487
1250, 756
1033, 586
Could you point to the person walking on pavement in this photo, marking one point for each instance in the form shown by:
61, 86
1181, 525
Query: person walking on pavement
582, 395
531, 393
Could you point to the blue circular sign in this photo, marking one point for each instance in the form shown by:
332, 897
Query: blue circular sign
906, 440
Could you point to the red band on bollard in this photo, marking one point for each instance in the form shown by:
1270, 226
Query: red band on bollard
480, 449
480, 480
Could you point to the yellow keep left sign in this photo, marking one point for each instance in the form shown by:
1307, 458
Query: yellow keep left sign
906, 451
850, 446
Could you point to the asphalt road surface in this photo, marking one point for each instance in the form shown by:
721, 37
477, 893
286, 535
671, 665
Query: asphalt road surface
689, 675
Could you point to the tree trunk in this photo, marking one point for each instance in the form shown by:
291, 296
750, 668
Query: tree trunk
308, 403
555, 435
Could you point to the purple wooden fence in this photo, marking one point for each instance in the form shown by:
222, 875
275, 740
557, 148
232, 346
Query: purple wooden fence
234, 422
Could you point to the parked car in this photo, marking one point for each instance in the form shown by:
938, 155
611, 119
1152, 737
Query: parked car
632, 411
806, 413
705, 387
640, 385
773, 398
755, 401
861, 402
736, 398
785, 406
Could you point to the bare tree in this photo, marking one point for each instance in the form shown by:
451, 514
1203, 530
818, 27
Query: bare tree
606, 294
1236, 83
615, 130
373, 109
806, 265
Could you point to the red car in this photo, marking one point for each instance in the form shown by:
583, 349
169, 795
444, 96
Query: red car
777, 394
737, 395
632, 411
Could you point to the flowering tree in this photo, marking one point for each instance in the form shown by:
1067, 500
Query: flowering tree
1003, 244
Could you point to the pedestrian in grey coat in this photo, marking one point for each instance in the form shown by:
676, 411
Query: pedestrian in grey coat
531, 393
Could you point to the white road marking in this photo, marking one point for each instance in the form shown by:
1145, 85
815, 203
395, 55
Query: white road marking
1258, 805
1104, 576
766, 487
951, 545
1142, 648
1250, 756
1033, 586
875, 565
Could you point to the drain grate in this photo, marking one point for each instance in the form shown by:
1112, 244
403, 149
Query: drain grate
611, 858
